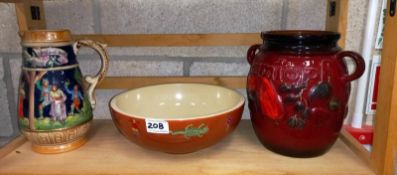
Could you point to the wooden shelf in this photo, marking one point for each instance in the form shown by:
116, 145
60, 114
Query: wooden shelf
108, 152
152, 40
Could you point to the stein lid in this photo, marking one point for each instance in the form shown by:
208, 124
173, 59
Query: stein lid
46, 36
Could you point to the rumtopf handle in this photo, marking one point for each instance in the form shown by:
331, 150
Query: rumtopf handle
252, 52
93, 81
358, 60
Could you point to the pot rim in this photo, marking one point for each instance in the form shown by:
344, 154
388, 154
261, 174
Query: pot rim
299, 35
241, 102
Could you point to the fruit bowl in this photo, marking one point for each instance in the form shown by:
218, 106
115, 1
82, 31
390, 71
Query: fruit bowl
177, 118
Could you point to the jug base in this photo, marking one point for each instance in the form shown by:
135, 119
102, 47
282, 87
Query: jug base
58, 141
54, 149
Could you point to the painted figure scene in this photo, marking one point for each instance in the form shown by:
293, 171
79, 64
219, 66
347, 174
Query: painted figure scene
53, 99
58, 101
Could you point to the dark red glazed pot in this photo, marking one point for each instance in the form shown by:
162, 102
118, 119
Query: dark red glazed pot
298, 88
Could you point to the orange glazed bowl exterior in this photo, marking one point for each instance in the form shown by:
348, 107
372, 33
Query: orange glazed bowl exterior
177, 118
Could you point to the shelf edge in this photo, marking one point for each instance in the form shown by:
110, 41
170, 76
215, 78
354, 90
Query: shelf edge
9, 147
355, 146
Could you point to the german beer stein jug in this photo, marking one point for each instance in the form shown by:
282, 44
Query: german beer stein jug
298, 88
55, 101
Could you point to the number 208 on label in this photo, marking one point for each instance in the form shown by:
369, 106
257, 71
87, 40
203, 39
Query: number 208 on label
157, 126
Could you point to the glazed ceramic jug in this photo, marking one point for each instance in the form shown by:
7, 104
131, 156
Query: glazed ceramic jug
55, 102
298, 89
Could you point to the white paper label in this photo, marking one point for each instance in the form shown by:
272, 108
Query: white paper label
157, 126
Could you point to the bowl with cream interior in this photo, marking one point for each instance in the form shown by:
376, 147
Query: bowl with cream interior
177, 118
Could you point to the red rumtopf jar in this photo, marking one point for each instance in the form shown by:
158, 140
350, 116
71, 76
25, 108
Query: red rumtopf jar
298, 88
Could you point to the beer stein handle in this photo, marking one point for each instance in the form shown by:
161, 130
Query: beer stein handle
93, 81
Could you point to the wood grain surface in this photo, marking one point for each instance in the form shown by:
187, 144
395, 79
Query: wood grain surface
338, 21
356, 146
385, 129
134, 82
24, 15
9, 147
108, 152
139, 40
